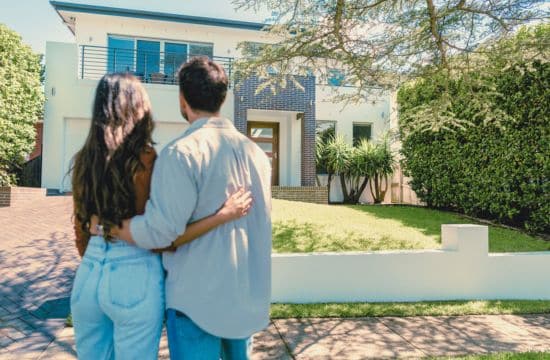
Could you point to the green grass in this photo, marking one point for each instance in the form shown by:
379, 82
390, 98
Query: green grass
427, 308
503, 356
303, 227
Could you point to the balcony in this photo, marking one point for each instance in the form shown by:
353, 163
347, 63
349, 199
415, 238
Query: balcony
153, 67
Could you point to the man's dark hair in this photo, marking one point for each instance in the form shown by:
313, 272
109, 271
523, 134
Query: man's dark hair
203, 84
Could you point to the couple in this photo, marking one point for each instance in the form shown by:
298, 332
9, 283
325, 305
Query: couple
193, 204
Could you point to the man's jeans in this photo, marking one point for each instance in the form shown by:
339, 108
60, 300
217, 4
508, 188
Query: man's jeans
117, 302
188, 341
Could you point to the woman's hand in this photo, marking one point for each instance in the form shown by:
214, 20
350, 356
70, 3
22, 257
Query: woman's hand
236, 206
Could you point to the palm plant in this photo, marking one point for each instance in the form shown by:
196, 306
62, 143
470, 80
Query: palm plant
338, 154
355, 166
382, 164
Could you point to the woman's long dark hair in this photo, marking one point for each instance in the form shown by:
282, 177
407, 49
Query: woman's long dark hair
103, 170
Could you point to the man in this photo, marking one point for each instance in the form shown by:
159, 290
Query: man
217, 287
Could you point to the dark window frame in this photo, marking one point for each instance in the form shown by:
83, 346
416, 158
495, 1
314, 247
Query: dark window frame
355, 140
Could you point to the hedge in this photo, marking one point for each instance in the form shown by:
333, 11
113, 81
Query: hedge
498, 170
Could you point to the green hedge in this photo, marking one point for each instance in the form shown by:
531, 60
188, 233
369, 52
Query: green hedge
498, 169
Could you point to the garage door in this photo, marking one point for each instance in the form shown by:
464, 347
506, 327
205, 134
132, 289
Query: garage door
76, 131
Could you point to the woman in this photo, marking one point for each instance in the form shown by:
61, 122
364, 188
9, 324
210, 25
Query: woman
117, 301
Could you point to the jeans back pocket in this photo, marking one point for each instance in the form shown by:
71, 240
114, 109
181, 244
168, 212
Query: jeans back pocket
128, 282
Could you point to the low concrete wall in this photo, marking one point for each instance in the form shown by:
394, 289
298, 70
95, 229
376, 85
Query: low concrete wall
13, 196
310, 194
462, 269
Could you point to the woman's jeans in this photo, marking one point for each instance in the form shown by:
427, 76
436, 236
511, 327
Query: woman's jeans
117, 302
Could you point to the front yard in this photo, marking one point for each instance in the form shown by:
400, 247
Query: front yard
302, 227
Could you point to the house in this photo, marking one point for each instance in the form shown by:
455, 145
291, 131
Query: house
152, 45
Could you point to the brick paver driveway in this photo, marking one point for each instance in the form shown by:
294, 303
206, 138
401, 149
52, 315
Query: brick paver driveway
38, 260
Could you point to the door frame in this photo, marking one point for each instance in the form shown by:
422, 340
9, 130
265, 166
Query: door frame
274, 141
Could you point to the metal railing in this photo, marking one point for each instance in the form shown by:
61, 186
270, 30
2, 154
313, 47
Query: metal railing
149, 66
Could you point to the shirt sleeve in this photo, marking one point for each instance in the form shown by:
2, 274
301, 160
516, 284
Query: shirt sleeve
171, 204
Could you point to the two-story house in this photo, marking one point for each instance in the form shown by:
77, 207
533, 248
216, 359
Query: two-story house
152, 45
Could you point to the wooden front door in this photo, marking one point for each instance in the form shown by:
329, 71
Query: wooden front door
266, 135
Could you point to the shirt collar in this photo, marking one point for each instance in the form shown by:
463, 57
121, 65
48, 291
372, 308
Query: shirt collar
210, 122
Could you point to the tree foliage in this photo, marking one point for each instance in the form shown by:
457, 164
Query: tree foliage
21, 102
497, 167
378, 45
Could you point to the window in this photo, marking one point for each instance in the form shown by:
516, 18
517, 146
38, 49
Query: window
148, 58
120, 54
254, 47
152, 60
335, 77
324, 131
201, 50
360, 132
174, 55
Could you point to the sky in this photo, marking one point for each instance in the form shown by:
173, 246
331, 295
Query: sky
37, 22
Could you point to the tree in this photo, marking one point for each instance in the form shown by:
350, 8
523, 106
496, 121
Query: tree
21, 102
379, 44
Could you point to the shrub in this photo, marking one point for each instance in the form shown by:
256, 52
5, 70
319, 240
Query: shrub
496, 165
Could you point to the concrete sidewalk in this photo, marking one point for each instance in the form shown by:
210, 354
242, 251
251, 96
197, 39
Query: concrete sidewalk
37, 263
375, 338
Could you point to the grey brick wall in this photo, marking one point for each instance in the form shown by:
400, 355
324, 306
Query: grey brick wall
289, 99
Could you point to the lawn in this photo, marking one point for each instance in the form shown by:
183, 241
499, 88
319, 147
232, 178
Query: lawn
400, 309
303, 227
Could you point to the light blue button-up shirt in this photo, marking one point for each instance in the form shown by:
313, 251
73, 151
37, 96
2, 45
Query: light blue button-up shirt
221, 280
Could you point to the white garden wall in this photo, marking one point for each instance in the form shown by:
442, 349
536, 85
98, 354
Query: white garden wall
462, 269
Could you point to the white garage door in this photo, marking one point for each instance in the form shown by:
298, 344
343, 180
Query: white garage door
76, 131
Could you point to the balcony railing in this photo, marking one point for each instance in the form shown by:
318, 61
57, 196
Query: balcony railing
148, 66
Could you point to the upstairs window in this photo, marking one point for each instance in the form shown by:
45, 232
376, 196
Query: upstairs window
120, 55
201, 50
148, 58
175, 54
152, 60
335, 77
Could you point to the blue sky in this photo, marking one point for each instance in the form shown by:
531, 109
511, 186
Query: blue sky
37, 22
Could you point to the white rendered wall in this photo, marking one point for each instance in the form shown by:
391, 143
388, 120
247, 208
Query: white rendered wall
463, 269
68, 111
376, 111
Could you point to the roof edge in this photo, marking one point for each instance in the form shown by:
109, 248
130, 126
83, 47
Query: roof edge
153, 15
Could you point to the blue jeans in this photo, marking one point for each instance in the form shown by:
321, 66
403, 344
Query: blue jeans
117, 302
187, 341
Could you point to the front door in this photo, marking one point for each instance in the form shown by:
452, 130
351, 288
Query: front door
266, 135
